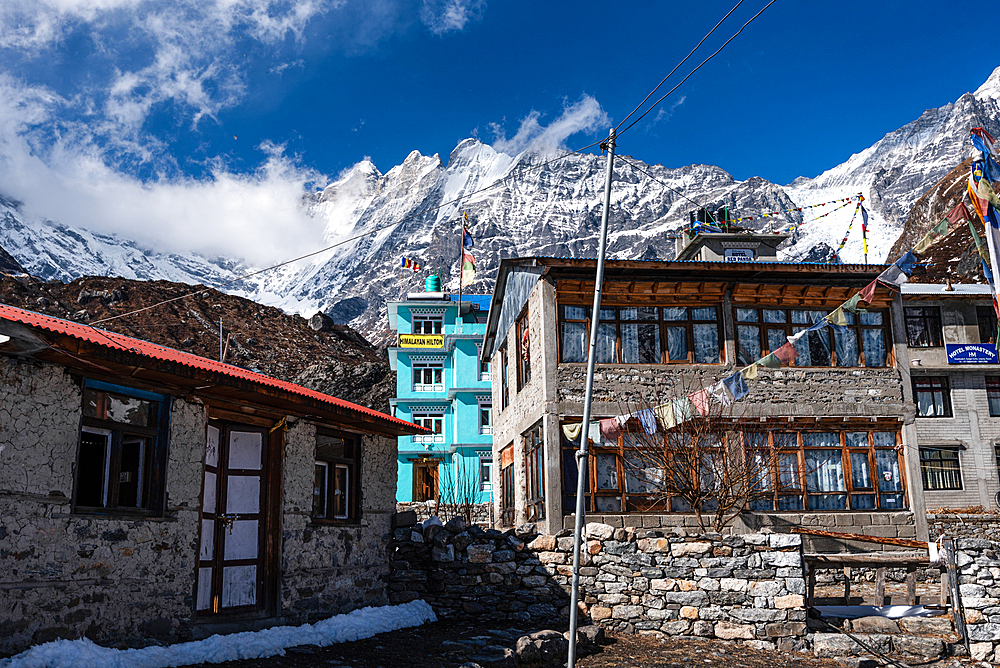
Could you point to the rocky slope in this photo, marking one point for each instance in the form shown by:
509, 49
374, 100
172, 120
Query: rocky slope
316, 353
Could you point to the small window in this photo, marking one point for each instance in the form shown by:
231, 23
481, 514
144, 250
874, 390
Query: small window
484, 366
428, 376
534, 467
932, 397
428, 323
335, 492
923, 326
987, 324
121, 454
523, 352
940, 469
485, 471
486, 417
993, 395
433, 421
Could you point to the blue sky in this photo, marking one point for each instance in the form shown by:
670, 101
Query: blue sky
132, 115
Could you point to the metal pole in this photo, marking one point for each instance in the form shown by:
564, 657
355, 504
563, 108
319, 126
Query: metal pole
220, 339
461, 269
581, 454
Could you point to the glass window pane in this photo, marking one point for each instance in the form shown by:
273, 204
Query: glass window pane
856, 439
574, 341
607, 314
747, 315
891, 501
871, 318
707, 313
574, 312
606, 469
887, 470
638, 313
862, 501
827, 502
788, 471
847, 347
775, 339
606, 343
642, 476
677, 345
824, 471
789, 503
749, 344
609, 504
861, 477
885, 439
706, 343
874, 343
824, 439
675, 313
774, 315
640, 344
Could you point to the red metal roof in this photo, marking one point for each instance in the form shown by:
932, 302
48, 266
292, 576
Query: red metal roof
115, 341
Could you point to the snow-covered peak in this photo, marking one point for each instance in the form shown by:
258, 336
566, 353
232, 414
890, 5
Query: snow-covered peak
991, 88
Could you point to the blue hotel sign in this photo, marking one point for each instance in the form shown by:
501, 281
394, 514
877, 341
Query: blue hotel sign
972, 353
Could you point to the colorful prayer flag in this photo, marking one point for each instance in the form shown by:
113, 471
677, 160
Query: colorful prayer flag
785, 354
468, 268
700, 400
467, 241
868, 292
736, 386
749, 372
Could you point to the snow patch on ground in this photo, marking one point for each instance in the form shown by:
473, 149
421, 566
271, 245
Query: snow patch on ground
356, 625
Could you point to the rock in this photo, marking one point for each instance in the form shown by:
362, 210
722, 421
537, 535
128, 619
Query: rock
543, 543
599, 613
730, 631
981, 651
874, 625
916, 646
703, 629
526, 651
407, 518
494, 656
790, 601
926, 625
480, 554
456, 525
785, 629
780, 540
321, 322
526, 529
690, 549
597, 530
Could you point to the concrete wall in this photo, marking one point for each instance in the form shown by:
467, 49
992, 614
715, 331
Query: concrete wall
129, 580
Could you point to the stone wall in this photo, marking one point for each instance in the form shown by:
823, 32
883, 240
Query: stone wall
331, 569
979, 580
785, 392
482, 513
985, 526
632, 580
67, 575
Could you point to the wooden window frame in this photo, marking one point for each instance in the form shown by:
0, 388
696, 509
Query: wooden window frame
929, 383
151, 476
783, 497
661, 323
931, 320
504, 371
534, 468
789, 328
522, 330
507, 503
329, 465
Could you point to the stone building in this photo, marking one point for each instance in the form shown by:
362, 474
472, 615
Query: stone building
954, 381
147, 493
840, 418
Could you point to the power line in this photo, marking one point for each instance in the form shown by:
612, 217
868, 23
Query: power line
698, 67
361, 235
707, 35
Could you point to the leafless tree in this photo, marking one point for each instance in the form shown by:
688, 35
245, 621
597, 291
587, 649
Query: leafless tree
713, 464
458, 489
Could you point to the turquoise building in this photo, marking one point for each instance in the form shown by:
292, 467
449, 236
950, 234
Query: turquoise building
441, 385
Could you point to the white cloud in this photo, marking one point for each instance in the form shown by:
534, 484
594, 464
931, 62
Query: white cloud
257, 216
666, 112
584, 115
443, 16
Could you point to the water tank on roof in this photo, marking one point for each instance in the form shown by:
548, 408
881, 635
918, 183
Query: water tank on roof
432, 283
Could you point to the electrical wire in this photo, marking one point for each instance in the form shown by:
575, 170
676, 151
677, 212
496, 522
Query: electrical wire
696, 68
360, 235
707, 35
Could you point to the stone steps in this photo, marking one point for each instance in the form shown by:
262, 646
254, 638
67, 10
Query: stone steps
908, 638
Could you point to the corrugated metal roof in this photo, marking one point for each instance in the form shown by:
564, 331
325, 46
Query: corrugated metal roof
856, 267
956, 289
149, 350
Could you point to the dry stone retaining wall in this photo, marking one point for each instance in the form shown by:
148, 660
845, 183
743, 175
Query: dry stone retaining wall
748, 588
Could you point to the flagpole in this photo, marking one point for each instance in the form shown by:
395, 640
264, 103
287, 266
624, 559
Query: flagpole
581, 455
461, 269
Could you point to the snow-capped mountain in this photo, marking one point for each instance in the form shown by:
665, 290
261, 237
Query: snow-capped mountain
526, 204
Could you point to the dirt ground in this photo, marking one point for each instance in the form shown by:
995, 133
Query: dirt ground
446, 645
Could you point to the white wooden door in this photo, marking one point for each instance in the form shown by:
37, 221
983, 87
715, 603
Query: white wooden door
232, 526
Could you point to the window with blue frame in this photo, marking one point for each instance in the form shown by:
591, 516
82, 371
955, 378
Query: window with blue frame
433, 421
486, 417
121, 459
427, 376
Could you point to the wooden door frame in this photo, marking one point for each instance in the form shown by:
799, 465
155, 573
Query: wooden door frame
426, 463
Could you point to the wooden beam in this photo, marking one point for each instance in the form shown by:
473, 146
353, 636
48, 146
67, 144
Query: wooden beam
901, 542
